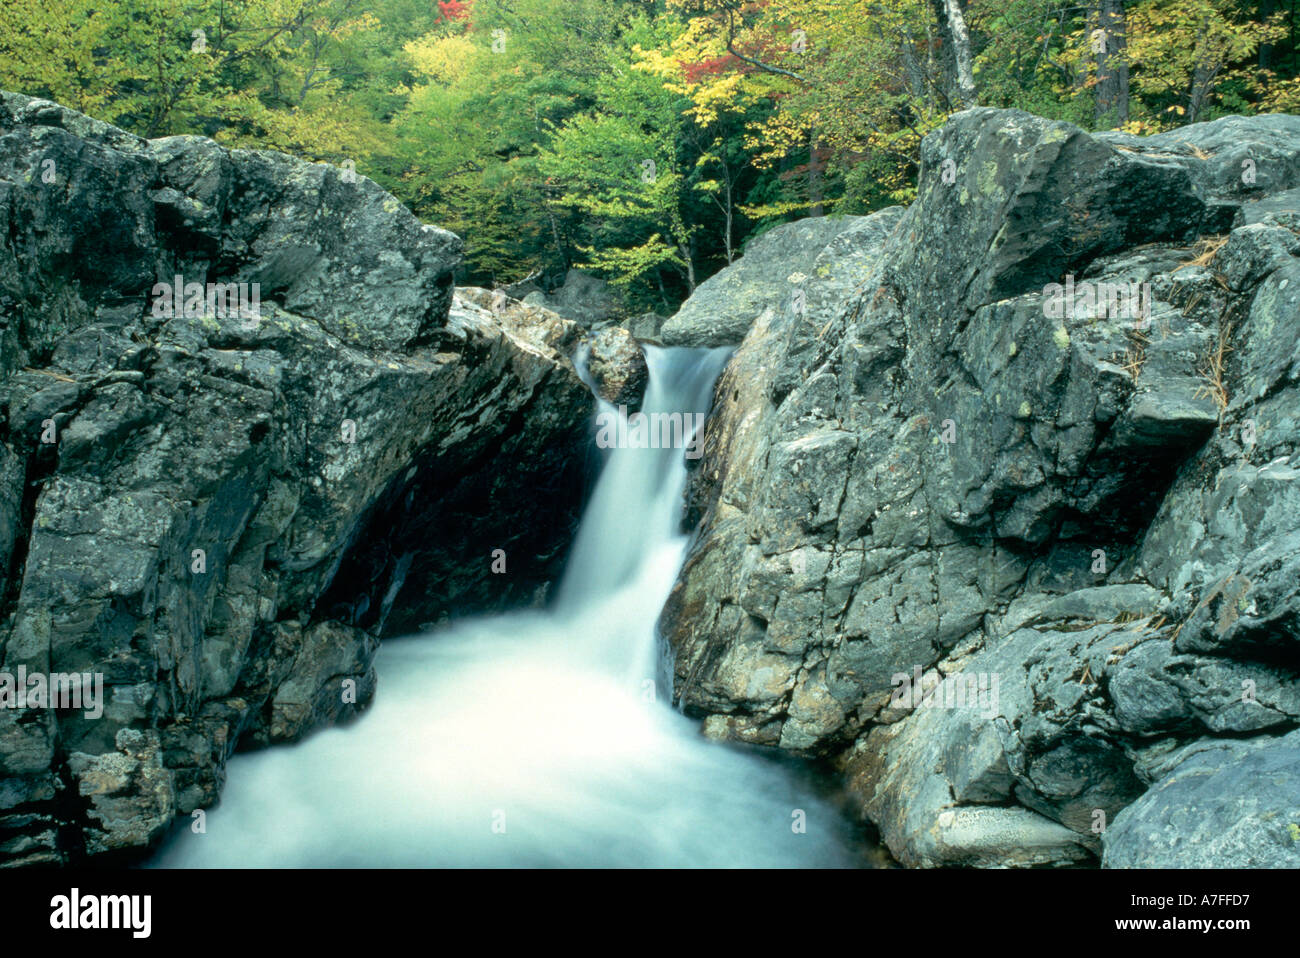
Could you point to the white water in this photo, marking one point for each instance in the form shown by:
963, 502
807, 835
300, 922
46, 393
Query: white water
528, 739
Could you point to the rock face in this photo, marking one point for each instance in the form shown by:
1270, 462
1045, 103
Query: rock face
586, 299
615, 360
1215, 801
541, 326
774, 268
618, 367
1000, 504
222, 512
645, 327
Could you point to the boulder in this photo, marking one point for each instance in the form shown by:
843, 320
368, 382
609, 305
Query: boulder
774, 266
583, 298
645, 327
220, 511
1218, 804
1037, 433
618, 367
537, 324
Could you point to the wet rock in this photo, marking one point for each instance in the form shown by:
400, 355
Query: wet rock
330, 676
128, 793
926, 825
618, 367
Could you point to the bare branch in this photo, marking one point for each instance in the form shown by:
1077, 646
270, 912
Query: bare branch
765, 67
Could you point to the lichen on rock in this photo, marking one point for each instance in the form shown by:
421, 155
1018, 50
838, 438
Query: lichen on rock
221, 513
915, 467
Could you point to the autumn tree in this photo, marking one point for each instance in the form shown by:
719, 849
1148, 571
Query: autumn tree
527, 125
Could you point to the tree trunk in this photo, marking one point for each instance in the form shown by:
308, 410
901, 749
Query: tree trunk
559, 244
814, 178
731, 250
1203, 75
1109, 43
1266, 8
687, 251
962, 60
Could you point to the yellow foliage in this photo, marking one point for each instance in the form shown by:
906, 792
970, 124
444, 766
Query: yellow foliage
1282, 97
441, 58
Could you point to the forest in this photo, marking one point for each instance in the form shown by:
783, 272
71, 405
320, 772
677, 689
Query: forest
645, 140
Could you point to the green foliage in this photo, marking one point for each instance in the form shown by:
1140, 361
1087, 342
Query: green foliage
527, 126
626, 165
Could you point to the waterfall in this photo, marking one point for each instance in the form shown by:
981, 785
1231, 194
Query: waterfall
538, 738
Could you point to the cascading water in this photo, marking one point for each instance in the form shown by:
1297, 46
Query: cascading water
537, 738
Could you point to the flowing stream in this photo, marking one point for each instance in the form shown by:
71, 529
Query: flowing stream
538, 738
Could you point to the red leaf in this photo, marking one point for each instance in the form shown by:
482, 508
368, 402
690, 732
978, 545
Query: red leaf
718, 65
454, 9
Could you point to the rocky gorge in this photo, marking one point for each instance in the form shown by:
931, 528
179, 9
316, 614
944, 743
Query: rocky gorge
917, 465
920, 466
223, 516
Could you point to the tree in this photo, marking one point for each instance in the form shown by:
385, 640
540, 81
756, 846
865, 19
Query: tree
287, 74
852, 86
1109, 43
1184, 51
489, 86
961, 54
525, 125
627, 164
